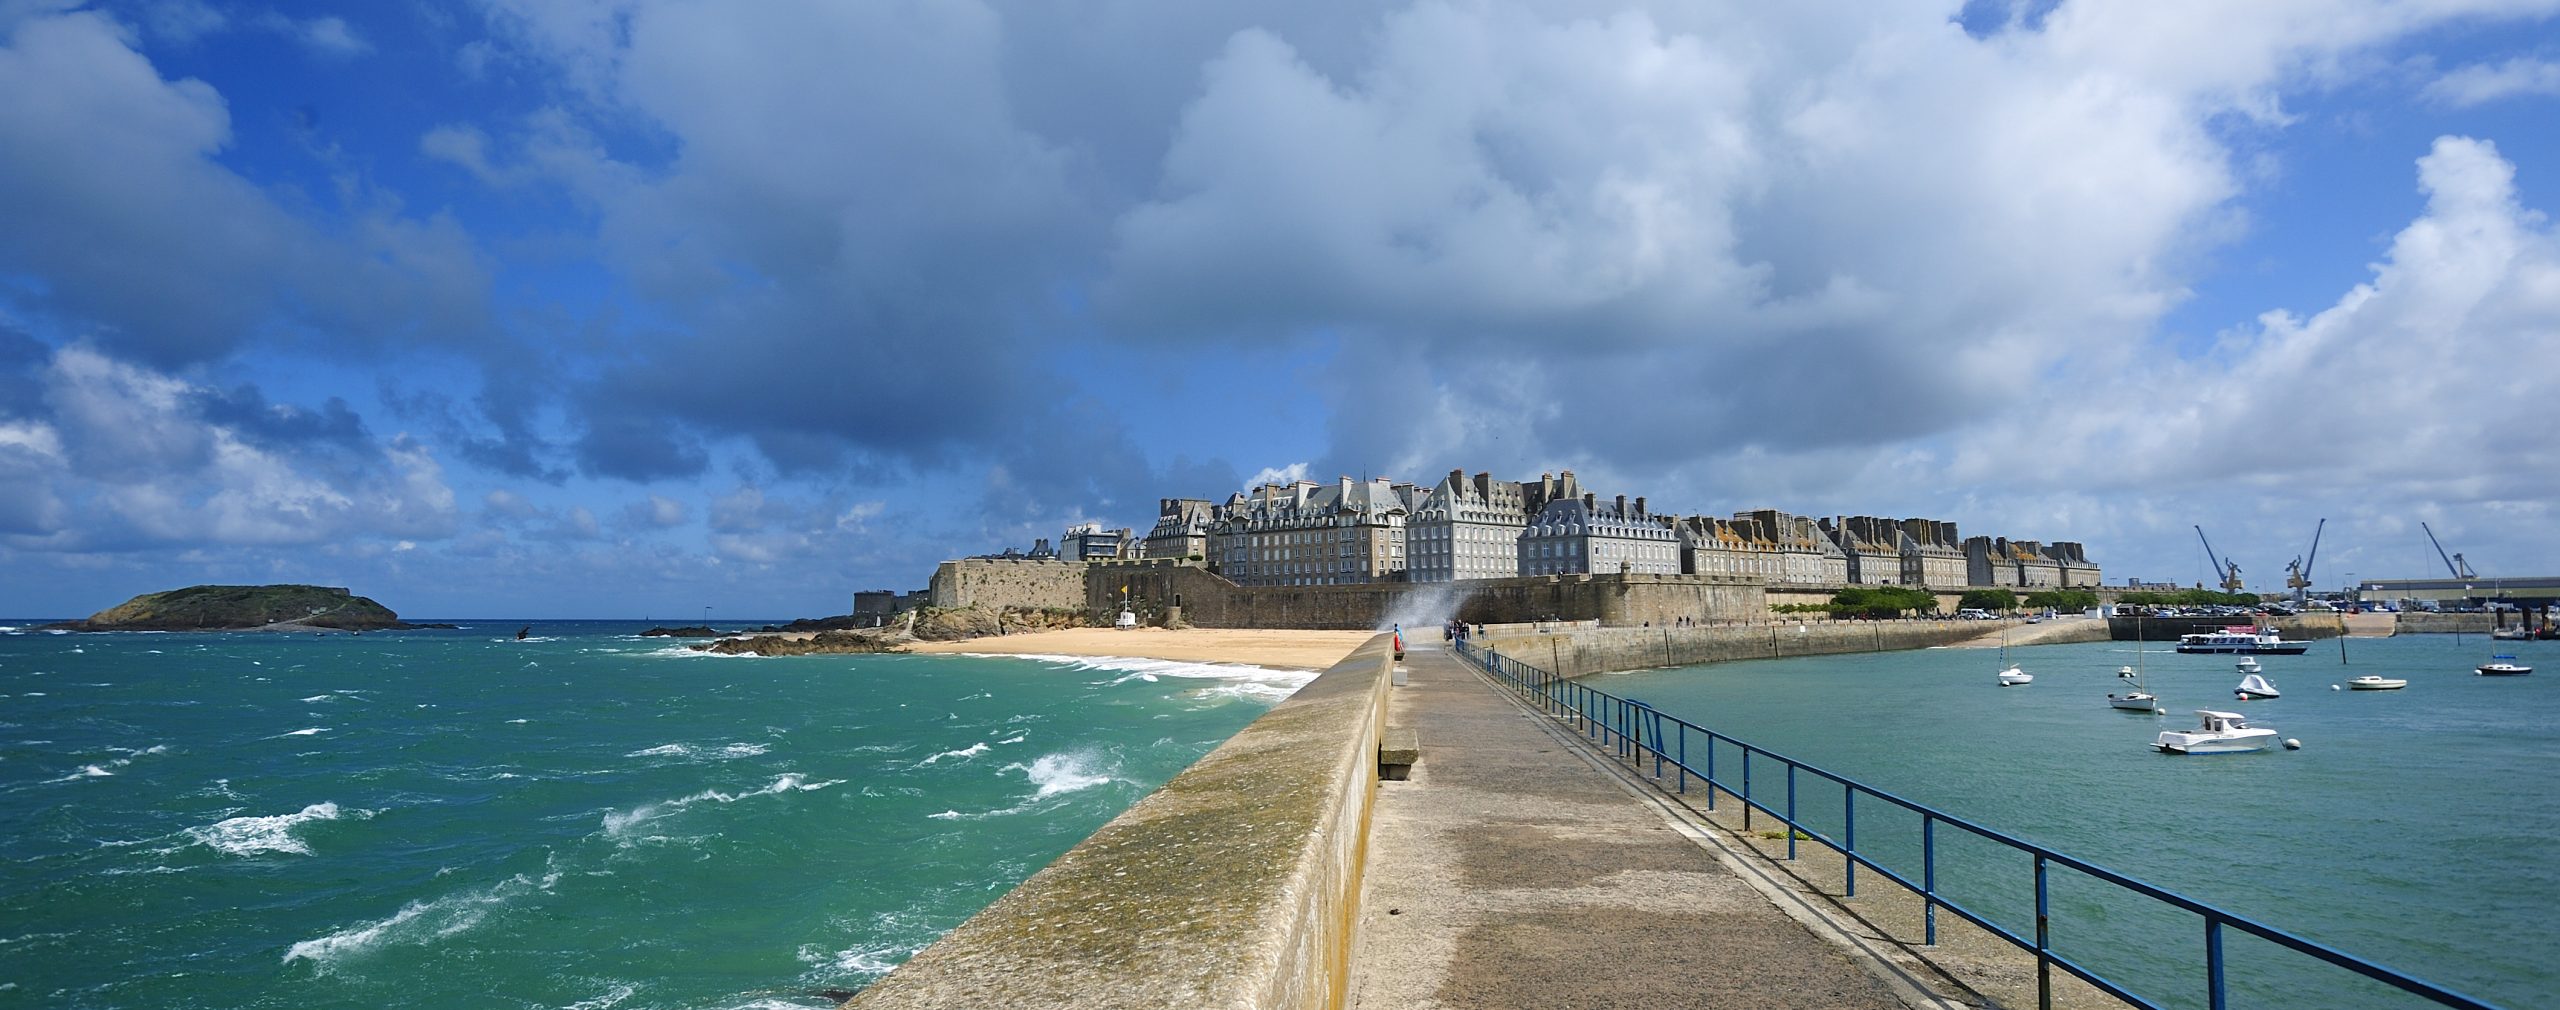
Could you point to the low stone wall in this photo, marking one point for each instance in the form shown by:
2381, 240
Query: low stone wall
1235, 885
2419, 622
1604, 650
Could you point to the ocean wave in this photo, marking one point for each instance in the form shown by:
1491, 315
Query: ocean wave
1050, 775
316, 699
246, 836
419, 921
313, 731
870, 961
612, 997
87, 772
619, 824
973, 750
689, 751
1241, 680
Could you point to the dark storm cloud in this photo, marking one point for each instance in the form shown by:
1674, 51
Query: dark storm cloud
247, 412
115, 197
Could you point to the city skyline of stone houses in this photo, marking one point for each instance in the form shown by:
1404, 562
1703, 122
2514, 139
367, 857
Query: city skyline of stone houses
1466, 528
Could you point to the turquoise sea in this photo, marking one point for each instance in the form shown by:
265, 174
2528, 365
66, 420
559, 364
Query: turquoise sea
584, 819
2418, 828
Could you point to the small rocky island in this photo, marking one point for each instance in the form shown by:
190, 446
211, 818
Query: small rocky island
246, 608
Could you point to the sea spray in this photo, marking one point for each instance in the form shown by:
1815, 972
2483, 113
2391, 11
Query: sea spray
1421, 612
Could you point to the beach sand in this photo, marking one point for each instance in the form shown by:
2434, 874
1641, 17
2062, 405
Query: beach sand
1300, 650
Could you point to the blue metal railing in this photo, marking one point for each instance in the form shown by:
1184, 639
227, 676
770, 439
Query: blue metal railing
1637, 733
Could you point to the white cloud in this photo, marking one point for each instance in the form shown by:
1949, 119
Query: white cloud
126, 456
1290, 474
2481, 83
327, 37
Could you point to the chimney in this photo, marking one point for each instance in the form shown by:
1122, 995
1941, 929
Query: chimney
1622, 506
1457, 478
1590, 501
1639, 504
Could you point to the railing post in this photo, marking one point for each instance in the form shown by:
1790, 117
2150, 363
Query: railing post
2215, 997
1929, 878
2044, 940
1849, 838
1682, 762
1746, 786
1791, 810
1711, 771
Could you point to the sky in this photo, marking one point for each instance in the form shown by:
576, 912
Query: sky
673, 308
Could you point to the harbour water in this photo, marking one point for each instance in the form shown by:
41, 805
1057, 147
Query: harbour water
583, 819
2416, 828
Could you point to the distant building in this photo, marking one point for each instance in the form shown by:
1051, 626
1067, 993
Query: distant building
1872, 545
1090, 542
1586, 536
2076, 570
876, 604
1182, 528
1807, 556
1932, 555
1310, 534
1712, 546
1467, 529
1987, 562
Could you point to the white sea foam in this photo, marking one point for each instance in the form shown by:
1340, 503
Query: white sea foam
1016, 738
517, 722
418, 921
689, 751
86, 772
612, 997
317, 698
1236, 680
873, 961
1062, 773
973, 750
313, 731
244, 836
621, 824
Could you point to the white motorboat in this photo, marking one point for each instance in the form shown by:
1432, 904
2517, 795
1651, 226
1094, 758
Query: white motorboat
2221, 733
2369, 682
2247, 664
2253, 687
2503, 665
2133, 698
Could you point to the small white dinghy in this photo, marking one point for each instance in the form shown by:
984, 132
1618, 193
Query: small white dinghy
2222, 733
2014, 677
2247, 664
2369, 682
2503, 665
2253, 687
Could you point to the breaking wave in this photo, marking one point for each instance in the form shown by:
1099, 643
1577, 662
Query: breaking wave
973, 750
419, 921
246, 836
1234, 680
620, 824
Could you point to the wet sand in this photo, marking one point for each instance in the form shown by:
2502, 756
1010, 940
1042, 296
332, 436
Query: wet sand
1298, 650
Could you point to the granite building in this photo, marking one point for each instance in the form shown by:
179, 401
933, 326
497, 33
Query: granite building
1468, 529
1807, 556
1090, 542
1181, 529
1587, 536
1310, 534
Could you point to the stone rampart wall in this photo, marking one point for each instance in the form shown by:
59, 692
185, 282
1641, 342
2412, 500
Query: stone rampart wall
1235, 885
1206, 600
1604, 650
1007, 582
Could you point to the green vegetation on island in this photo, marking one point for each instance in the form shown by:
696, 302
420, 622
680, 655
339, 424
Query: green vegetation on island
239, 608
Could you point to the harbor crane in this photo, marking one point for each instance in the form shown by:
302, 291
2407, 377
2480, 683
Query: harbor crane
2460, 568
2226, 570
2298, 571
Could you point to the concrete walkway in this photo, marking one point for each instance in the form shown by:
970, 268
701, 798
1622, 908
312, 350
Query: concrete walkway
1513, 871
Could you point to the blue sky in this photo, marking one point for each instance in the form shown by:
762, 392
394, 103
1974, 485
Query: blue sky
634, 307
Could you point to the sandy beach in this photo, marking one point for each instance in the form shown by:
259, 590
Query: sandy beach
1300, 650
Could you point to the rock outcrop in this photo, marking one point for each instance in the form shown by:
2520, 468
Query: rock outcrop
238, 608
824, 642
